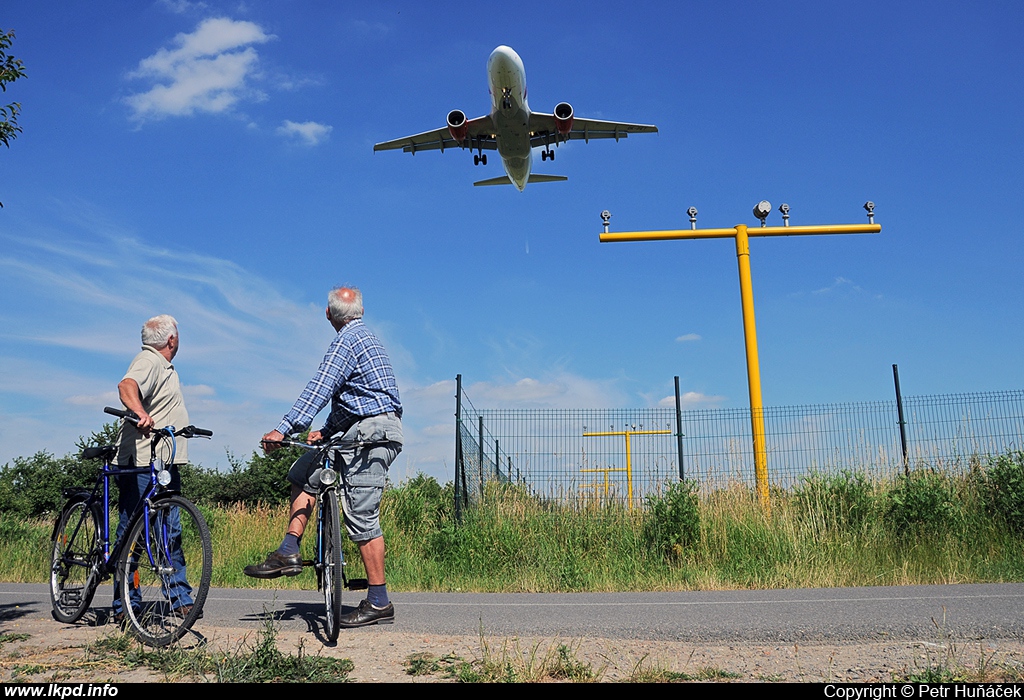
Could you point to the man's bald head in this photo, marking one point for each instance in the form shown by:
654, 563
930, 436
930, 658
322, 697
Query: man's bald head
344, 304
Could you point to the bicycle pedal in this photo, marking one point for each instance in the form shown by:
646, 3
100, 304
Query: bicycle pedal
358, 584
307, 562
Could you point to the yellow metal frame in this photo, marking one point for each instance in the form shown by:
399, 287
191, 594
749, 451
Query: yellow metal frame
742, 235
629, 458
601, 470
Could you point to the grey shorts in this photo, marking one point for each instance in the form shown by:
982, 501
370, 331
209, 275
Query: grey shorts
363, 470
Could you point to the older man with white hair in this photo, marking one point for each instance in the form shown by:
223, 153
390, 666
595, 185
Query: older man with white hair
152, 390
357, 379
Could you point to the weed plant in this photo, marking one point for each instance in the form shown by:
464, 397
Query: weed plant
510, 663
260, 662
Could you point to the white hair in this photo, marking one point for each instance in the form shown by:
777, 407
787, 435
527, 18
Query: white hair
342, 308
158, 330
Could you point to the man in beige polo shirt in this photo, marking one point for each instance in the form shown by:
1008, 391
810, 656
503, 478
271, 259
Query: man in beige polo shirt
152, 390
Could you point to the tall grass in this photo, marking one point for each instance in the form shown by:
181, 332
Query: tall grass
831, 530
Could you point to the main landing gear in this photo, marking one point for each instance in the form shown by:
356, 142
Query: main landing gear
547, 154
480, 159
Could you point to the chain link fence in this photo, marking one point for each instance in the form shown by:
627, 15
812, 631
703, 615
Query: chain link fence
583, 457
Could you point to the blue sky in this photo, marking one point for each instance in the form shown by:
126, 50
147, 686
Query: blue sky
213, 160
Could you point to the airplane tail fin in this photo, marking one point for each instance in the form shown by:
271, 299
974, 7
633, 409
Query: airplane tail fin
503, 180
547, 178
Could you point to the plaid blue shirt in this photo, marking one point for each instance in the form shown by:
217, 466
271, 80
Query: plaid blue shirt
355, 376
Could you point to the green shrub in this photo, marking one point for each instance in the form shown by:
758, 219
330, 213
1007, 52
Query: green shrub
923, 501
1004, 482
418, 505
672, 520
843, 500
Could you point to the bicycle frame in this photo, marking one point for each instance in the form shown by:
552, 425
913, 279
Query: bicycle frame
102, 485
318, 562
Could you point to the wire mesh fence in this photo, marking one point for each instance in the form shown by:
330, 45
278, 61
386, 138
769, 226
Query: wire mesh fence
583, 457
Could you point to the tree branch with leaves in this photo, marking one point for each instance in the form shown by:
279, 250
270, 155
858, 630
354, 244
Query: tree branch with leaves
11, 69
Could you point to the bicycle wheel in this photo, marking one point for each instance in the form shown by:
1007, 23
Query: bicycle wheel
331, 577
164, 571
73, 559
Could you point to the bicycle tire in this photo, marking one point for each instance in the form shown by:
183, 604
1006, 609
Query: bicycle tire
74, 559
164, 571
332, 563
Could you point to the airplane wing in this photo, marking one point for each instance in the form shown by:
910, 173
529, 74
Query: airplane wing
546, 133
479, 134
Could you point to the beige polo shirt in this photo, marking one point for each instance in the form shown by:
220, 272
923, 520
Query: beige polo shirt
161, 397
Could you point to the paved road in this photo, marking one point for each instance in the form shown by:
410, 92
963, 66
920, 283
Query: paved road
990, 611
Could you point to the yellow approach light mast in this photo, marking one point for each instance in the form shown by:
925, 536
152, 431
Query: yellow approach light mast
742, 235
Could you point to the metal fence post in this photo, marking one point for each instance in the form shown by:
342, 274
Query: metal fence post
459, 466
903, 423
480, 455
679, 431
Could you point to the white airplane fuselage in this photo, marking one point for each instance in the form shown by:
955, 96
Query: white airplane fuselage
511, 128
510, 113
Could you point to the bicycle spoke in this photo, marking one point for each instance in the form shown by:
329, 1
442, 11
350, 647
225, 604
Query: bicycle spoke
165, 571
74, 555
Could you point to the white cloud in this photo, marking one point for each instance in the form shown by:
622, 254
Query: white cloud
563, 390
692, 399
207, 71
689, 337
180, 7
840, 283
310, 133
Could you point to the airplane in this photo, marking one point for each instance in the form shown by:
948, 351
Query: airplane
511, 128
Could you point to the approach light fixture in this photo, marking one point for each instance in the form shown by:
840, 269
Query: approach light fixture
761, 210
869, 207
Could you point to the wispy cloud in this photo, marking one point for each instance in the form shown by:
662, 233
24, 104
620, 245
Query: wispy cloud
841, 283
180, 7
688, 338
309, 133
206, 71
691, 400
369, 28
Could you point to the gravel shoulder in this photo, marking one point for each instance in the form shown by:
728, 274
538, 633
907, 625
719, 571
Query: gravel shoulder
53, 651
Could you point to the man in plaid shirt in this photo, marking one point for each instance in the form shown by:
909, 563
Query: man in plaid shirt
356, 377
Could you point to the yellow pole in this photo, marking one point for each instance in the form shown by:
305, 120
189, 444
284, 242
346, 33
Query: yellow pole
629, 472
742, 236
753, 367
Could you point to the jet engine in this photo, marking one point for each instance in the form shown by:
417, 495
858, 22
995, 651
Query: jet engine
563, 118
458, 127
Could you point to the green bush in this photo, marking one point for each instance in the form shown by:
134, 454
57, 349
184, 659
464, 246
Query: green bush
843, 500
419, 505
923, 501
672, 520
1004, 482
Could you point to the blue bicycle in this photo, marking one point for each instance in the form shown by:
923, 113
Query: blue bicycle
163, 563
328, 558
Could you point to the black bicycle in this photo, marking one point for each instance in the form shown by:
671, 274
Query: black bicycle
328, 557
161, 565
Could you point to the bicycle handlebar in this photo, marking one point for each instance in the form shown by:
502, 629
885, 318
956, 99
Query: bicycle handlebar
330, 442
187, 432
